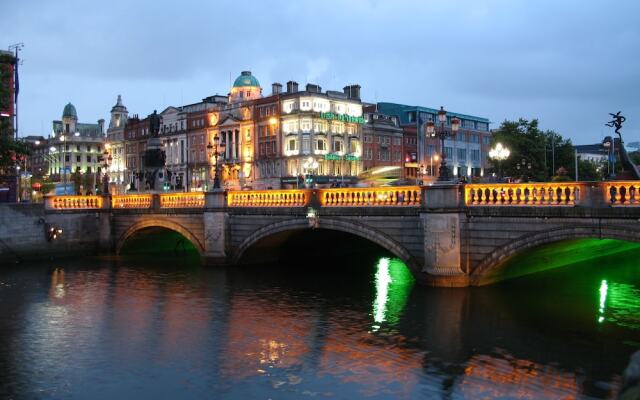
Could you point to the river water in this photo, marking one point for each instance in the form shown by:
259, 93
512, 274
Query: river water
350, 327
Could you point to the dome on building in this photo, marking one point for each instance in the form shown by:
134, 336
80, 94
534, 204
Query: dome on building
69, 111
246, 79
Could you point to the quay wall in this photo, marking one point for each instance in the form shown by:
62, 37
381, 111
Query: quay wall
23, 237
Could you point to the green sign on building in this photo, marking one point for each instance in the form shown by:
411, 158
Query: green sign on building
341, 117
336, 157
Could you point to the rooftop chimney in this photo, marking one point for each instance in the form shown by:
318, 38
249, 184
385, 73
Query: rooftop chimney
276, 88
352, 91
292, 87
313, 88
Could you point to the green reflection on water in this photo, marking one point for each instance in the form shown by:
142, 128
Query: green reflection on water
393, 283
603, 300
623, 305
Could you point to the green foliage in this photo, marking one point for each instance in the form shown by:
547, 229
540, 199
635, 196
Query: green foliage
634, 156
590, 170
11, 152
525, 141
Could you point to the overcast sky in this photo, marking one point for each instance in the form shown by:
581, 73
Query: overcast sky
567, 63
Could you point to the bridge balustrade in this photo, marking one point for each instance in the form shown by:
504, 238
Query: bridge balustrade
75, 202
382, 196
269, 198
131, 201
523, 194
622, 193
182, 200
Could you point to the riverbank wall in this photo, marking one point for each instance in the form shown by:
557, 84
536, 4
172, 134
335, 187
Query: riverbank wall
25, 233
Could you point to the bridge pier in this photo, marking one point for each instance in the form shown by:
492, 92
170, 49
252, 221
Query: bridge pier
441, 224
215, 220
105, 236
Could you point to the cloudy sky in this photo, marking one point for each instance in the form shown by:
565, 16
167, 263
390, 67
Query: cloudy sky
567, 63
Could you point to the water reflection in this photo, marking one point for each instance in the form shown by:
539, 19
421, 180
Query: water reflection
393, 283
140, 329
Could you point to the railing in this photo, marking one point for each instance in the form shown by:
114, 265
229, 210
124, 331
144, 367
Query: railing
75, 202
182, 200
131, 201
522, 194
268, 198
384, 196
622, 193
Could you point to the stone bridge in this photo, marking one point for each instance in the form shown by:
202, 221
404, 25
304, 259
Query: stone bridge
449, 235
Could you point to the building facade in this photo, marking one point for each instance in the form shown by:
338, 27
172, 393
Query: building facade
7, 92
466, 152
116, 146
75, 147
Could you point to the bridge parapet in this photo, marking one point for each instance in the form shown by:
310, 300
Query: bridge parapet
73, 202
401, 196
182, 200
622, 193
524, 194
132, 201
269, 198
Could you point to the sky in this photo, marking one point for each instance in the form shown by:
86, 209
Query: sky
567, 63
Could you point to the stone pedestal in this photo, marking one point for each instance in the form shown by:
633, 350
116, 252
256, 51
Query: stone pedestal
105, 242
441, 244
154, 159
215, 228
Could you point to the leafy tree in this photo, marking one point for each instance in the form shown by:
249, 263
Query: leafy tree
526, 142
591, 170
11, 152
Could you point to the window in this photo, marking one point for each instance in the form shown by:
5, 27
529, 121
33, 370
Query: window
66, 158
306, 145
475, 155
291, 145
320, 144
397, 141
468, 124
448, 152
368, 154
77, 147
88, 158
473, 138
462, 155
486, 140
462, 137
78, 159
398, 156
337, 146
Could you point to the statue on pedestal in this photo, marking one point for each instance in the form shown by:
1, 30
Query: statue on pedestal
154, 156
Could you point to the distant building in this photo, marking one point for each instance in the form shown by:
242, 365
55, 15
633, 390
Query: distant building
382, 144
7, 92
115, 140
591, 152
74, 146
466, 153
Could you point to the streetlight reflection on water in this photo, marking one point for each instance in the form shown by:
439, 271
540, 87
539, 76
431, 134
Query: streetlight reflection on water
393, 283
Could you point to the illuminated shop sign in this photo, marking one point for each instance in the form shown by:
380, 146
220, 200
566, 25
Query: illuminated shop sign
341, 117
336, 157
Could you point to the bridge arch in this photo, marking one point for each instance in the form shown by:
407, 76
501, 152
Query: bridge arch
354, 228
159, 223
495, 259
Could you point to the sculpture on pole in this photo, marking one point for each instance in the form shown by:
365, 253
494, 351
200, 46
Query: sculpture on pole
154, 156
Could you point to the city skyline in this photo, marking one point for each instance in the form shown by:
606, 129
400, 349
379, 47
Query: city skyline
468, 57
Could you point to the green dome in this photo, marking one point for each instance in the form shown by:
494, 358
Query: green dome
246, 79
69, 111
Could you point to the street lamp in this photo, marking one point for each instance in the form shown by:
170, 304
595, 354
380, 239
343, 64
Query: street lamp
522, 165
216, 150
499, 153
309, 164
442, 133
433, 157
63, 160
106, 163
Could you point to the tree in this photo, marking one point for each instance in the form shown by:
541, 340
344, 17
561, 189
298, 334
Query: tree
526, 142
590, 170
11, 152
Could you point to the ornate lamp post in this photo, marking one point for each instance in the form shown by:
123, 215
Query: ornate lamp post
216, 150
525, 166
499, 153
442, 132
106, 162
309, 164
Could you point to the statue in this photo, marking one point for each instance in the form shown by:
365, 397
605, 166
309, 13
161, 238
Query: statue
154, 156
154, 124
